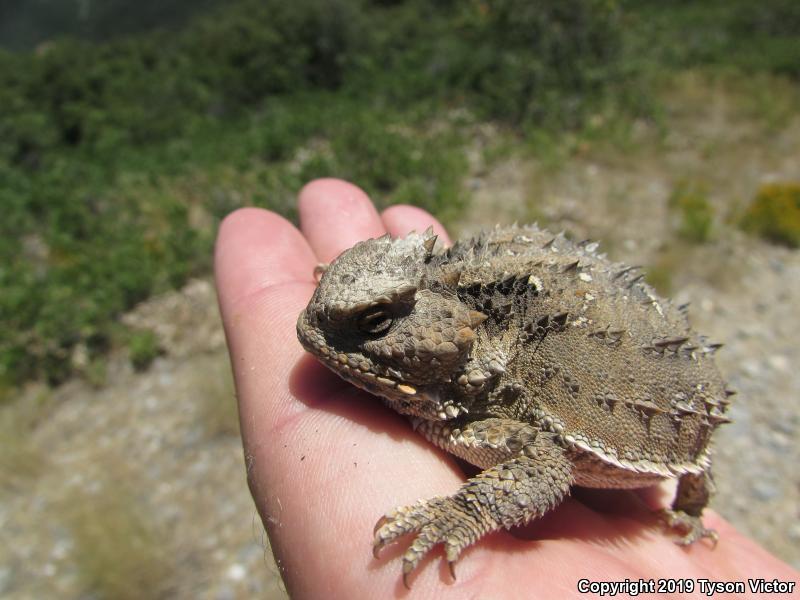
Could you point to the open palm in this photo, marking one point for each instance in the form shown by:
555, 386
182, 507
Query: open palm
325, 460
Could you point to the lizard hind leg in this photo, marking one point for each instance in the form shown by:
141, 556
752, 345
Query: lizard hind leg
510, 493
684, 518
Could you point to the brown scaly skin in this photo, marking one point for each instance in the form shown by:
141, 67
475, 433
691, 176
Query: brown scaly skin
534, 358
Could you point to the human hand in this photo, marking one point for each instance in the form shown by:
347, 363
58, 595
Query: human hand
326, 460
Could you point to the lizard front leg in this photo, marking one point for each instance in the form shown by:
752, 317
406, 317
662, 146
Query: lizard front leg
531, 477
694, 492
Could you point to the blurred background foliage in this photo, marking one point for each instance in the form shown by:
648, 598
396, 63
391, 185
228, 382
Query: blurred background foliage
127, 131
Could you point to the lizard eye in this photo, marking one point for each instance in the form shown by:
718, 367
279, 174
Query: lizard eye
375, 321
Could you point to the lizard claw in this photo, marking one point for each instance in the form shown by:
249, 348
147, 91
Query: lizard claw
406, 573
377, 546
381, 522
434, 524
688, 527
319, 270
389, 528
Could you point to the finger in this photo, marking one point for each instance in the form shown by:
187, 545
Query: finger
402, 219
257, 248
334, 215
264, 277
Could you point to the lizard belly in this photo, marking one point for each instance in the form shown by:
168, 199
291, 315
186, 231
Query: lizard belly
592, 472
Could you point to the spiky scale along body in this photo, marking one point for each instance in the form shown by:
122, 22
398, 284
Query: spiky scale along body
530, 356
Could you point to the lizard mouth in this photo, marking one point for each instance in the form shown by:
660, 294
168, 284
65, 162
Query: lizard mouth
386, 383
353, 367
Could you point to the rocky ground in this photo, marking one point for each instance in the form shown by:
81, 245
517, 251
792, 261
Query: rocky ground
136, 487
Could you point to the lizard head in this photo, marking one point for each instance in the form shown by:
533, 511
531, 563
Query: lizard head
382, 319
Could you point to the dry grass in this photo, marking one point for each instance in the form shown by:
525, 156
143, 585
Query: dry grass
118, 550
693, 212
667, 267
21, 459
770, 99
216, 400
678, 263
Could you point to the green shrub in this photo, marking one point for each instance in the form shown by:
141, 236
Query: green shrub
257, 48
143, 348
528, 64
694, 211
749, 36
396, 162
776, 17
541, 62
774, 214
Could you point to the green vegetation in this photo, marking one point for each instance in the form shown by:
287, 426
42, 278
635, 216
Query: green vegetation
774, 214
143, 348
694, 211
119, 158
724, 34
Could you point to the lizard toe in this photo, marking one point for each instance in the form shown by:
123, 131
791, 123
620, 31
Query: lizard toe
402, 521
688, 528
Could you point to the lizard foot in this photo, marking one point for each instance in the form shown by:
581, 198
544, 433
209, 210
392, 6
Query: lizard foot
436, 521
508, 494
688, 527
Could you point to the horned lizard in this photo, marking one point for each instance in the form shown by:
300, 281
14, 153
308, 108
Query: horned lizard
530, 356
